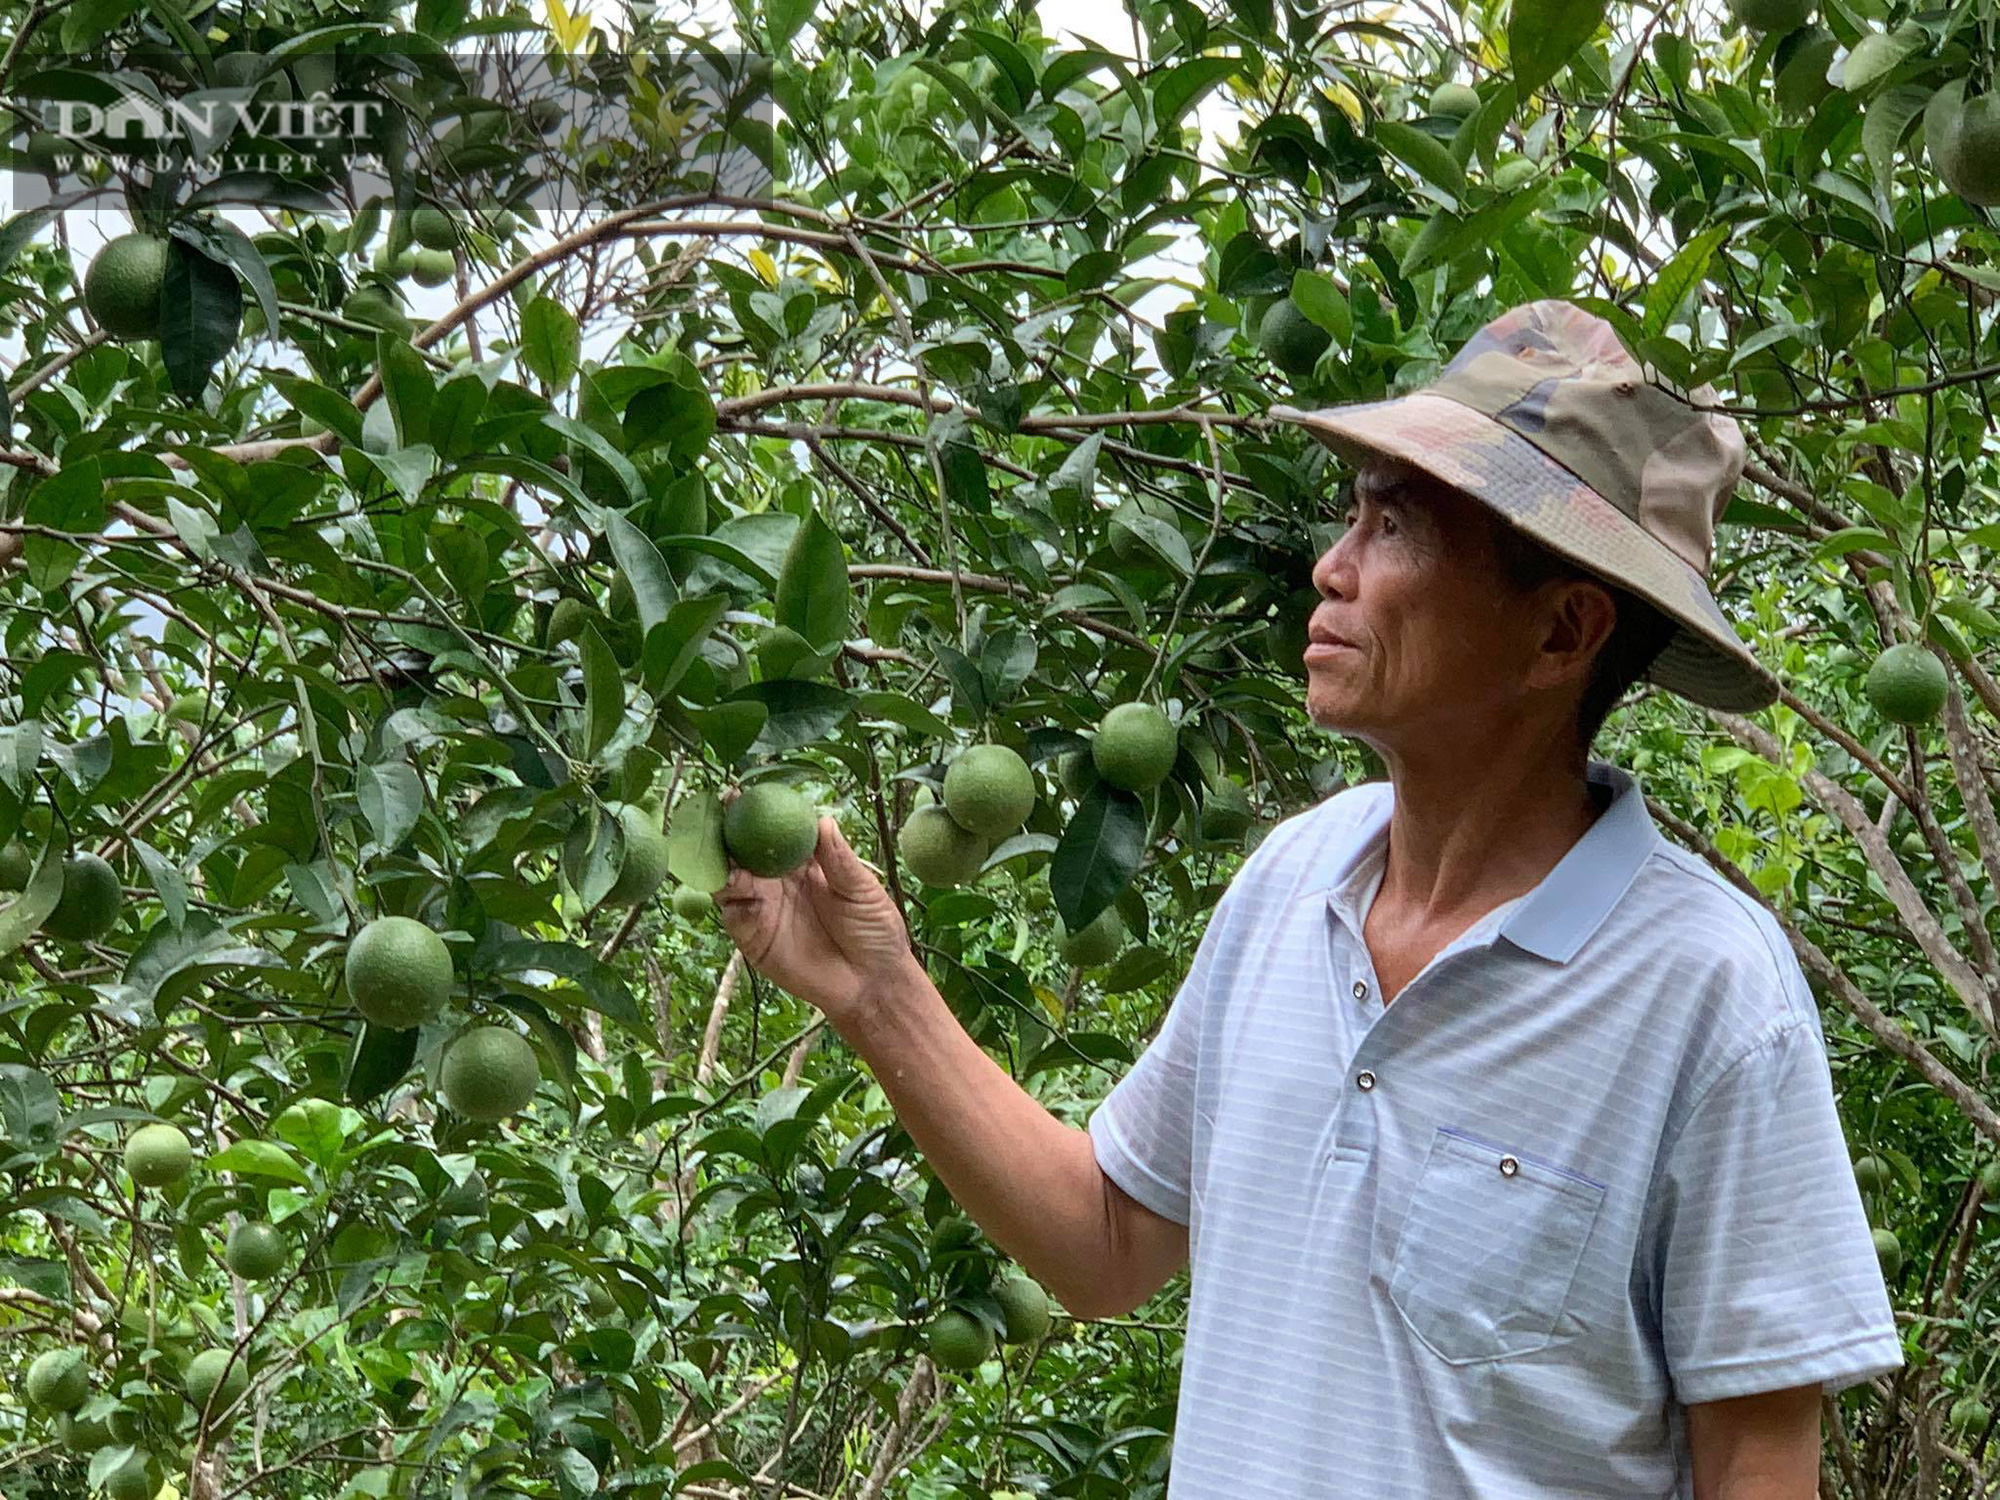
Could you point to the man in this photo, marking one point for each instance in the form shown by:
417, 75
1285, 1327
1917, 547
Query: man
1497, 1131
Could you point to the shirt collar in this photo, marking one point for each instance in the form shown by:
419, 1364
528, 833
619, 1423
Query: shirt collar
1555, 918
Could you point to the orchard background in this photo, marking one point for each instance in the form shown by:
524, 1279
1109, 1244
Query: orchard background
950, 432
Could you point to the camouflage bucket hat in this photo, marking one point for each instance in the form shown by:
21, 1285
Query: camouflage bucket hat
1546, 417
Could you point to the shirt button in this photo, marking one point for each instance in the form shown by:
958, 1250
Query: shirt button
1509, 1166
1360, 990
1365, 1081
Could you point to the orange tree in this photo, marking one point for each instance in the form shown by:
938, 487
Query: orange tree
449, 553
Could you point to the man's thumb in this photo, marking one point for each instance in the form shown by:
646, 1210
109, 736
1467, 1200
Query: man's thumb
846, 871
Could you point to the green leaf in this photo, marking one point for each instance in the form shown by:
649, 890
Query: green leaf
407, 384
1543, 35
1679, 276
1887, 121
381, 1059
550, 342
797, 713
1423, 154
258, 1159
30, 1112
166, 878
27, 911
201, 312
813, 596
784, 18
653, 591
1319, 299
1184, 84
695, 854
602, 990
603, 693
1100, 851
391, 797
674, 644
1444, 236
330, 409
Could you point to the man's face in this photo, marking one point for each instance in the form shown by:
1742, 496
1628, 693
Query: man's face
1436, 640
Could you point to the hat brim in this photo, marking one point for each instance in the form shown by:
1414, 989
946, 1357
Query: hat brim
1704, 661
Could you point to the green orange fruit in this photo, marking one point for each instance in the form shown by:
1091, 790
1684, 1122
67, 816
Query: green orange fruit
433, 267
1780, 16
489, 1073
1906, 684
1025, 1305
989, 790
1097, 942
691, 905
1292, 341
17, 865
958, 1341
90, 901
1889, 1252
1226, 814
432, 228
770, 830
1871, 1174
1454, 101
398, 973
935, 849
58, 1380
158, 1154
255, 1251
1134, 747
122, 287
215, 1378
645, 867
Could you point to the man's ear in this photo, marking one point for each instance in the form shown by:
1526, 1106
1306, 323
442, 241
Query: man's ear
1578, 618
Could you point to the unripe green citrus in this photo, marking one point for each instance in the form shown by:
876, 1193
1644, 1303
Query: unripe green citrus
1871, 1174
138, 1478
1989, 1179
989, 790
374, 307
489, 1073
236, 69
255, 1251
157, 1154
769, 830
85, 1435
432, 228
645, 864
1225, 813
1098, 942
206, 1384
935, 849
1970, 159
398, 973
1135, 747
1025, 1305
1454, 100
1510, 176
17, 865
1906, 684
58, 1380
691, 905
122, 286
433, 267
1780, 16
1889, 1251
1970, 1417
1292, 341
88, 907
566, 621
958, 1341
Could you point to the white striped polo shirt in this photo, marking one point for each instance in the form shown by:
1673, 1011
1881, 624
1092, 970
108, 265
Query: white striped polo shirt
1485, 1241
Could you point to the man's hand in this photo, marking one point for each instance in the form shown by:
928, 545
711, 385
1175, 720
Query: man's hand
828, 932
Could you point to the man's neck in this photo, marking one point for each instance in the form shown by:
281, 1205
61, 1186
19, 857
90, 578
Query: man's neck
1457, 849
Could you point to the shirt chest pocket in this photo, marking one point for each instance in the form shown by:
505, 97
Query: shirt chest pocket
1489, 1249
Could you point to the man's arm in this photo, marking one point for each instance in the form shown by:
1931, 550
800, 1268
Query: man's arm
1761, 1447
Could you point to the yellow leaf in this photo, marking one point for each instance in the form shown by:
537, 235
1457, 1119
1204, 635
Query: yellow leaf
766, 267
1343, 97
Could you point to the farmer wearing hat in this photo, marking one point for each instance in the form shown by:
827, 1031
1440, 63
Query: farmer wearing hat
1496, 1130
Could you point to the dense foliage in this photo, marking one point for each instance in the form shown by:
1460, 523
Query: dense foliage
319, 613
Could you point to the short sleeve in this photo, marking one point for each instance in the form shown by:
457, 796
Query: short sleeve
1767, 1272
1143, 1131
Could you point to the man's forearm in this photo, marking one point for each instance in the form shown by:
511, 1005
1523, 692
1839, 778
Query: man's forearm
1028, 1180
